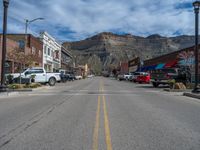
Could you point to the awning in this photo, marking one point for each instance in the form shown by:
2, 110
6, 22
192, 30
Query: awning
152, 67
160, 66
143, 68
171, 64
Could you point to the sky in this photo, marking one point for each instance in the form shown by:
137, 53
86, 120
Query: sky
73, 20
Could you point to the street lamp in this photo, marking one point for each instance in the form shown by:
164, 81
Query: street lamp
196, 6
27, 22
5, 5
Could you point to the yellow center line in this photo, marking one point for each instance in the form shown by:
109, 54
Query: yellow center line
96, 129
106, 124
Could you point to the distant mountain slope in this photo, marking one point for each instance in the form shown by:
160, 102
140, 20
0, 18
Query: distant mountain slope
112, 48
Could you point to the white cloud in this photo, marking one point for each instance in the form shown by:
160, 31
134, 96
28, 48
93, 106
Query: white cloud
86, 17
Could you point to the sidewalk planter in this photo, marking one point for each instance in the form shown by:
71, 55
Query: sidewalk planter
24, 86
190, 85
15, 86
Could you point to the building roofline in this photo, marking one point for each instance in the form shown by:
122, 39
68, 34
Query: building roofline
65, 50
22, 34
187, 48
50, 36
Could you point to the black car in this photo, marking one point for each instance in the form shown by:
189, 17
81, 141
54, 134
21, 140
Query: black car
70, 77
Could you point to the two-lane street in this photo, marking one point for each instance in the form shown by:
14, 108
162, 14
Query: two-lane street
98, 114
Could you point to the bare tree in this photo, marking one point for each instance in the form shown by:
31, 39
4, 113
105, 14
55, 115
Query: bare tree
24, 60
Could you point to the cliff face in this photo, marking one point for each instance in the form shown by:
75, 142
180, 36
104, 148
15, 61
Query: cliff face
111, 48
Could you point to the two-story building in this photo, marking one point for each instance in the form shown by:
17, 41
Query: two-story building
30, 45
22, 51
66, 59
51, 52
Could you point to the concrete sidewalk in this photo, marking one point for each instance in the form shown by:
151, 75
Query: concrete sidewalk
22, 91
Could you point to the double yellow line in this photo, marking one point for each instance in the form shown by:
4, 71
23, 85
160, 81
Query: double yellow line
106, 123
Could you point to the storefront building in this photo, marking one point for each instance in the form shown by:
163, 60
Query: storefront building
182, 58
124, 67
20, 55
66, 59
51, 52
134, 64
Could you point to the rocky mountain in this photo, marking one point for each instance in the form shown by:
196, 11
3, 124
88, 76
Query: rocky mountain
110, 49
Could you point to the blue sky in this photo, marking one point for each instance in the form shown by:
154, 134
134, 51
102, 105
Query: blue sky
71, 20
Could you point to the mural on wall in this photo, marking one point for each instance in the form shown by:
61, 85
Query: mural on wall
186, 59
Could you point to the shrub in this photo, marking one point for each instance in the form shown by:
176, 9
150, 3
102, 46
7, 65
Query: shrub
32, 85
9, 79
15, 86
190, 85
35, 85
20, 86
171, 83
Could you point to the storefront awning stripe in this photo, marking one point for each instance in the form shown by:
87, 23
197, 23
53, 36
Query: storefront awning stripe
160, 66
170, 64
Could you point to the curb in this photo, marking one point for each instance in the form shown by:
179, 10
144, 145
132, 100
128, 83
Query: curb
192, 95
174, 90
6, 94
41, 88
20, 90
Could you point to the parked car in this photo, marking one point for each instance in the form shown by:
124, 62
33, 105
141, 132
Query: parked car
40, 75
144, 77
63, 75
162, 76
120, 77
71, 77
90, 76
78, 77
135, 75
127, 76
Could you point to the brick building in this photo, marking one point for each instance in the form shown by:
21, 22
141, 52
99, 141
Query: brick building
66, 58
124, 67
33, 46
134, 64
20, 55
10, 46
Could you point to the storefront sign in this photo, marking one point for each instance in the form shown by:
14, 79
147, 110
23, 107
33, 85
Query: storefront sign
133, 64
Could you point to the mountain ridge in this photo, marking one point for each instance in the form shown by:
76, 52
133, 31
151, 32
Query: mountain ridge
111, 48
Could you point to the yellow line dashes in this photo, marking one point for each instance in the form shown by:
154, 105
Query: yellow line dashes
106, 123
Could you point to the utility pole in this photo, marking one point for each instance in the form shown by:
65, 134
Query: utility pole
4, 42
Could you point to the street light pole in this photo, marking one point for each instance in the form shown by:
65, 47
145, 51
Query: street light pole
27, 22
5, 5
196, 5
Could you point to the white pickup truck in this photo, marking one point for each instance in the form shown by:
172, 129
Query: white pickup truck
41, 76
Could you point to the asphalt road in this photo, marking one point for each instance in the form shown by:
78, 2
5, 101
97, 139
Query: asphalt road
99, 114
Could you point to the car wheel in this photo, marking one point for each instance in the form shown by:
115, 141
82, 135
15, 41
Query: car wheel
155, 84
52, 81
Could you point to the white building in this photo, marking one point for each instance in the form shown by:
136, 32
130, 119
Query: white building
51, 52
